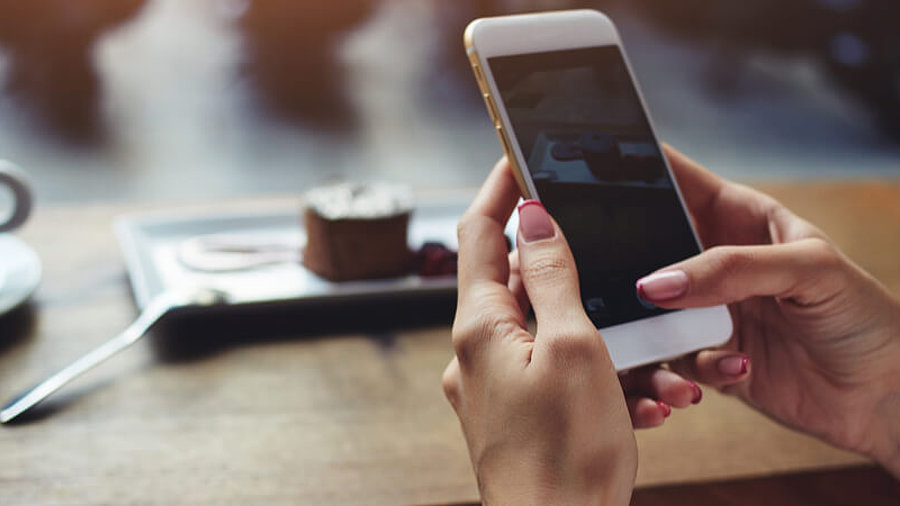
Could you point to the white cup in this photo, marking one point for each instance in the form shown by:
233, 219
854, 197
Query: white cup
14, 179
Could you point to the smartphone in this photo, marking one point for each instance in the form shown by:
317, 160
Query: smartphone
572, 121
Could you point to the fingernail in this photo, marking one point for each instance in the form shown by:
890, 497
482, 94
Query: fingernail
698, 393
734, 365
667, 410
663, 285
534, 222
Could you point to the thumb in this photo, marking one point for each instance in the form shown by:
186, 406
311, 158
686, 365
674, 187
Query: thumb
806, 271
547, 267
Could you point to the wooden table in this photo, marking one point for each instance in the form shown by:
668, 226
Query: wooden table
289, 406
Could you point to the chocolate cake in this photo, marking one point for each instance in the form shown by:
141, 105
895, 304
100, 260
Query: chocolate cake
356, 231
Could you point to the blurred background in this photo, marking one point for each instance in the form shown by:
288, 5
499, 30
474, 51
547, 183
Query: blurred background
161, 100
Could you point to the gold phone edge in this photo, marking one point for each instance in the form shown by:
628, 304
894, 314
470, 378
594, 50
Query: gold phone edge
505, 142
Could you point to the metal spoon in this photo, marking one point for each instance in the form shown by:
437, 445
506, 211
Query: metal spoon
155, 310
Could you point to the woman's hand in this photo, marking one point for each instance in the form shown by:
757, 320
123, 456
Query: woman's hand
816, 341
543, 414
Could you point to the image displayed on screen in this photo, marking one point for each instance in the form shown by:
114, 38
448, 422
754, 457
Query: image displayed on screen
597, 168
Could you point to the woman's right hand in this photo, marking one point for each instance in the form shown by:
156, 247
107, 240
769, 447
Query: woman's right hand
816, 341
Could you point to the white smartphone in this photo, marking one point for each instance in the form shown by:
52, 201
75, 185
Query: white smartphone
575, 128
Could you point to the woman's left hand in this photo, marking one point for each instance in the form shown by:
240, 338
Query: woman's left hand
544, 415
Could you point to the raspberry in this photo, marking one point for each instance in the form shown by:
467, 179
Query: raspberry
434, 259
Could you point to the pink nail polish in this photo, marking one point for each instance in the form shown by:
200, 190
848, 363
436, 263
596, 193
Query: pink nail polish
734, 365
663, 285
698, 393
640, 291
534, 222
667, 410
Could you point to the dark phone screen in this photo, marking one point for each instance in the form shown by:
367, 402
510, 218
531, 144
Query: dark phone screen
598, 170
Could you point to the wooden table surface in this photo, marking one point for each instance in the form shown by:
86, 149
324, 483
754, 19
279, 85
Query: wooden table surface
337, 405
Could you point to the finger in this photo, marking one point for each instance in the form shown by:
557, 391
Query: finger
723, 212
482, 244
565, 336
662, 385
716, 368
785, 226
487, 313
647, 413
805, 272
515, 283
547, 268
699, 186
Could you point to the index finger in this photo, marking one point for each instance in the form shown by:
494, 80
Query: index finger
487, 312
699, 186
482, 243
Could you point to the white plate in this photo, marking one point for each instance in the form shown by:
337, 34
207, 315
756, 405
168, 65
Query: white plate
151, 245
20, 272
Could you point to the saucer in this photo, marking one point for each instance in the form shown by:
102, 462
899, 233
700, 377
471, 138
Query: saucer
20, 272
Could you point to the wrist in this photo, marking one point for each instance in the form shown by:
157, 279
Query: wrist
884, 446
887, 414
886, 451
601, 483
614, 493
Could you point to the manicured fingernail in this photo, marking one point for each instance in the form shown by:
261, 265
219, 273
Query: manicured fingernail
663, 285
534, 222
734, 365
698, 393
667, 410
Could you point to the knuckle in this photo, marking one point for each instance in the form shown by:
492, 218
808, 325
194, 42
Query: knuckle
467, 223
450, 383
730, 261
545, 268
826, 259
822, 253
463, 338
790, 226
573, 349
467, 336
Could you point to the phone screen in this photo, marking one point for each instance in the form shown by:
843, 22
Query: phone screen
598, 170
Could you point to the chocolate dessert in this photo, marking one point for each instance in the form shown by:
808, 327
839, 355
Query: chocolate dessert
356, 231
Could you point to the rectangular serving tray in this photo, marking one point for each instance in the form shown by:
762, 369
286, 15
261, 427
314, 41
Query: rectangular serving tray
150, 245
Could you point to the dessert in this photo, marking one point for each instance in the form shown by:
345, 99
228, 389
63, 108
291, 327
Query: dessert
356, 231
434, 259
